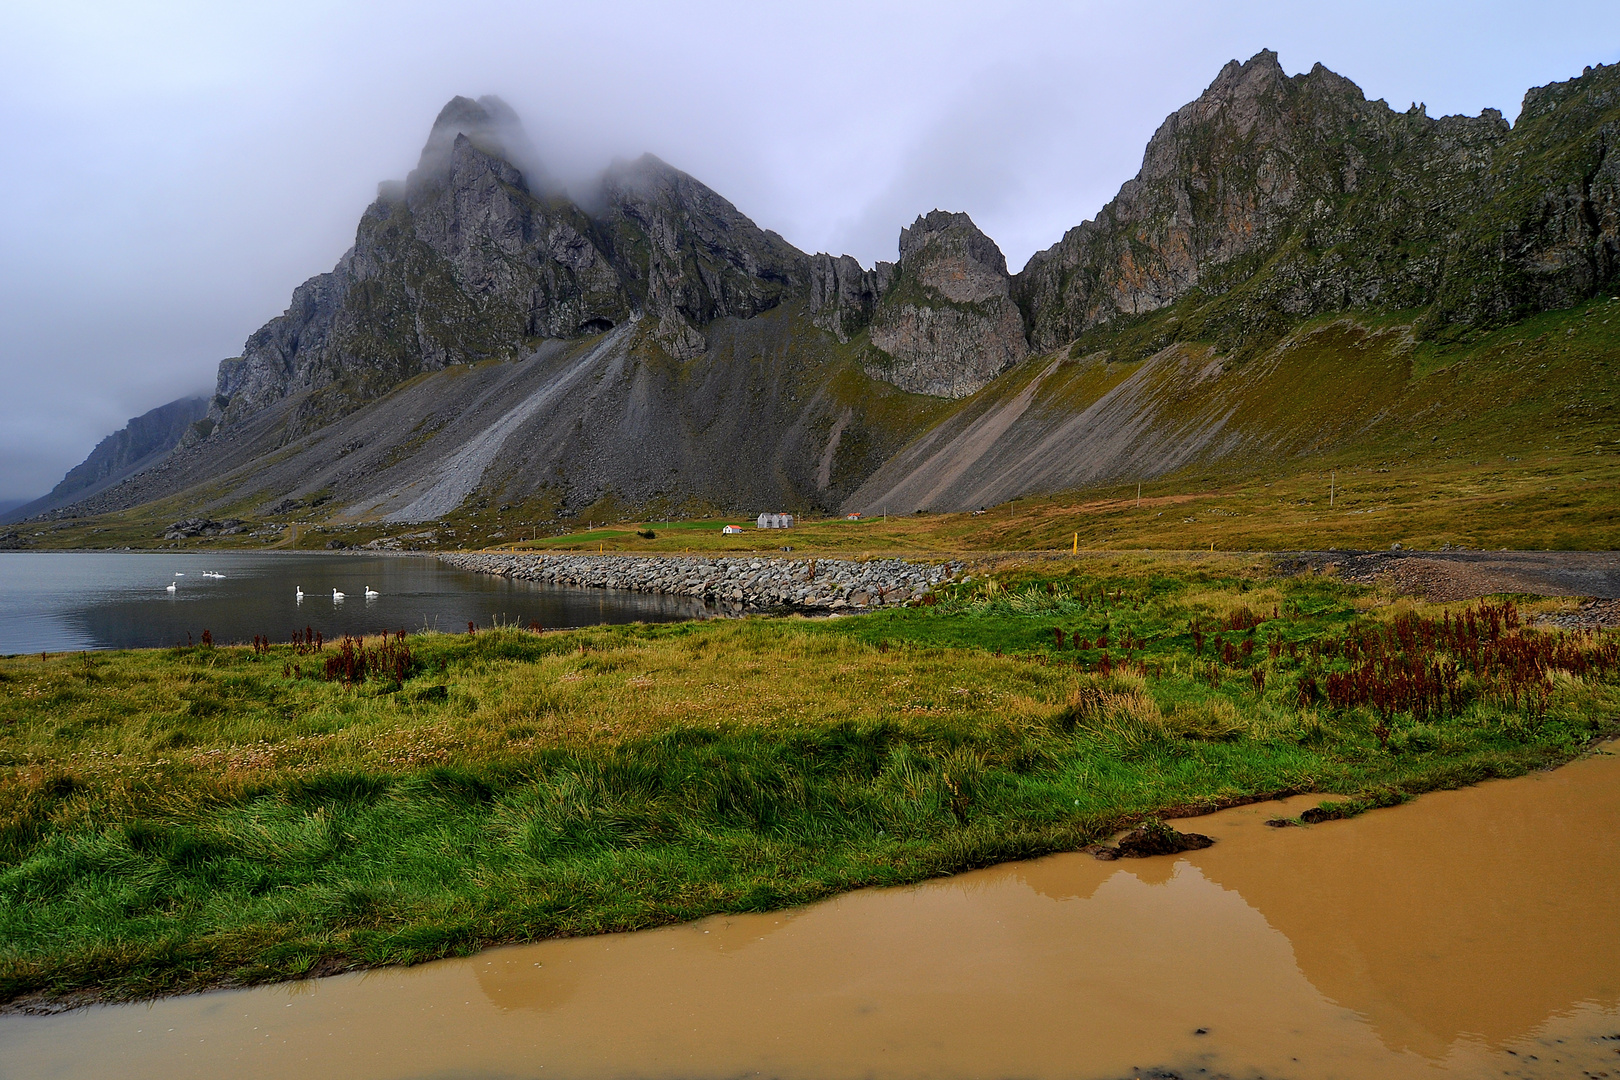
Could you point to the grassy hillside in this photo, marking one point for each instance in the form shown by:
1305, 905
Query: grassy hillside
1353, 434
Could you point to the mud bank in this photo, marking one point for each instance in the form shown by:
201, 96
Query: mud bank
736, 584
1449, 575
1466, 934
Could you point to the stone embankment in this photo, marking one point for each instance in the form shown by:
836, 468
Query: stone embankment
733, 584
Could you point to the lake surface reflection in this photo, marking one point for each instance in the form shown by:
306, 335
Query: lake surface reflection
1468, 934
106, 600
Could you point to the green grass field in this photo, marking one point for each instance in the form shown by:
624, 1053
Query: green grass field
178, 819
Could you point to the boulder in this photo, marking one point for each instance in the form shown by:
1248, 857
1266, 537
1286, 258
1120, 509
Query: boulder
1151, 838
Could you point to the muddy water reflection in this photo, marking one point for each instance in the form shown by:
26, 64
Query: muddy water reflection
1471, 933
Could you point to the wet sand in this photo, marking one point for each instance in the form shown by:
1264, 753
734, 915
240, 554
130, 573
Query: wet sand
1471, 933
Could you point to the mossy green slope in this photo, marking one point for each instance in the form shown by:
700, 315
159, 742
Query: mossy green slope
1339, 391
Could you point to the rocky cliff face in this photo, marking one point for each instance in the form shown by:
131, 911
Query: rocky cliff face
843, 294
1297, 187
947, 322
474, 258
1268, 200
687, 256
1549, 234
1289, 196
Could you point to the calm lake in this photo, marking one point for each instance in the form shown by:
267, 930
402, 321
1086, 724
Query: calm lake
72, 601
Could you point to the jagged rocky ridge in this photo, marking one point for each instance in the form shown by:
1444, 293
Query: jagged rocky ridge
946, 324
1291, 196
475, 258
737, 584
470, 259
1268, 200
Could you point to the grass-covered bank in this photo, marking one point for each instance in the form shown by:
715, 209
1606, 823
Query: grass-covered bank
175, 819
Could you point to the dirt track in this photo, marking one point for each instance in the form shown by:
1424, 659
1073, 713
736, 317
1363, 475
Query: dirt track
1465, 575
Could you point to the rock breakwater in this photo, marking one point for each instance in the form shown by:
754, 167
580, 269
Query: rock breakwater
733, 584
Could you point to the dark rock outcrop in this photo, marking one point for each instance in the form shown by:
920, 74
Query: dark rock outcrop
947, 324
843, 294
202, 526
687, 256
1152, 838
941, 321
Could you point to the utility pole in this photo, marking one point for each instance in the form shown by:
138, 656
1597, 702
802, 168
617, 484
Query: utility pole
1139, 495
1333, 483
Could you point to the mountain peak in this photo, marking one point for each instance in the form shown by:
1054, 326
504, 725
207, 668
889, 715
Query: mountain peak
491, 126
948, 323
1241, 90
1260, 70
956, 234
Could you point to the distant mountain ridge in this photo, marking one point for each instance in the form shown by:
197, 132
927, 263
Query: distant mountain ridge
666, 351
141, 443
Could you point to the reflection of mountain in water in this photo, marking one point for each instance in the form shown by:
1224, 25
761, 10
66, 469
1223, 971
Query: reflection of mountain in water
520, 979
1472, 916
1428, 940
1480, 912
1469, 922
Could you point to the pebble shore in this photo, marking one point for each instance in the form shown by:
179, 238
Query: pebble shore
732, 584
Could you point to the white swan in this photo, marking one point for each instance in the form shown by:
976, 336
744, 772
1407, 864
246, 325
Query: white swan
300, 589
179, 573
171, 587
372, 594
337, 595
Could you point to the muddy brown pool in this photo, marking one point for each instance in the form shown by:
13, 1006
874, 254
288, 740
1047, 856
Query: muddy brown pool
1470, 933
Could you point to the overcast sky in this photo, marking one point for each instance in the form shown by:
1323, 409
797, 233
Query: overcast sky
173, 170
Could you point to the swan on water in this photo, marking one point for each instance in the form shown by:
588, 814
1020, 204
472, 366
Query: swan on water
300, 590
337, 595
372, 594
179, 573
171, 586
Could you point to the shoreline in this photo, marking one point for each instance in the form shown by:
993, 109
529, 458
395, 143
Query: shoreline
1342, 808
733, 585
292, 812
